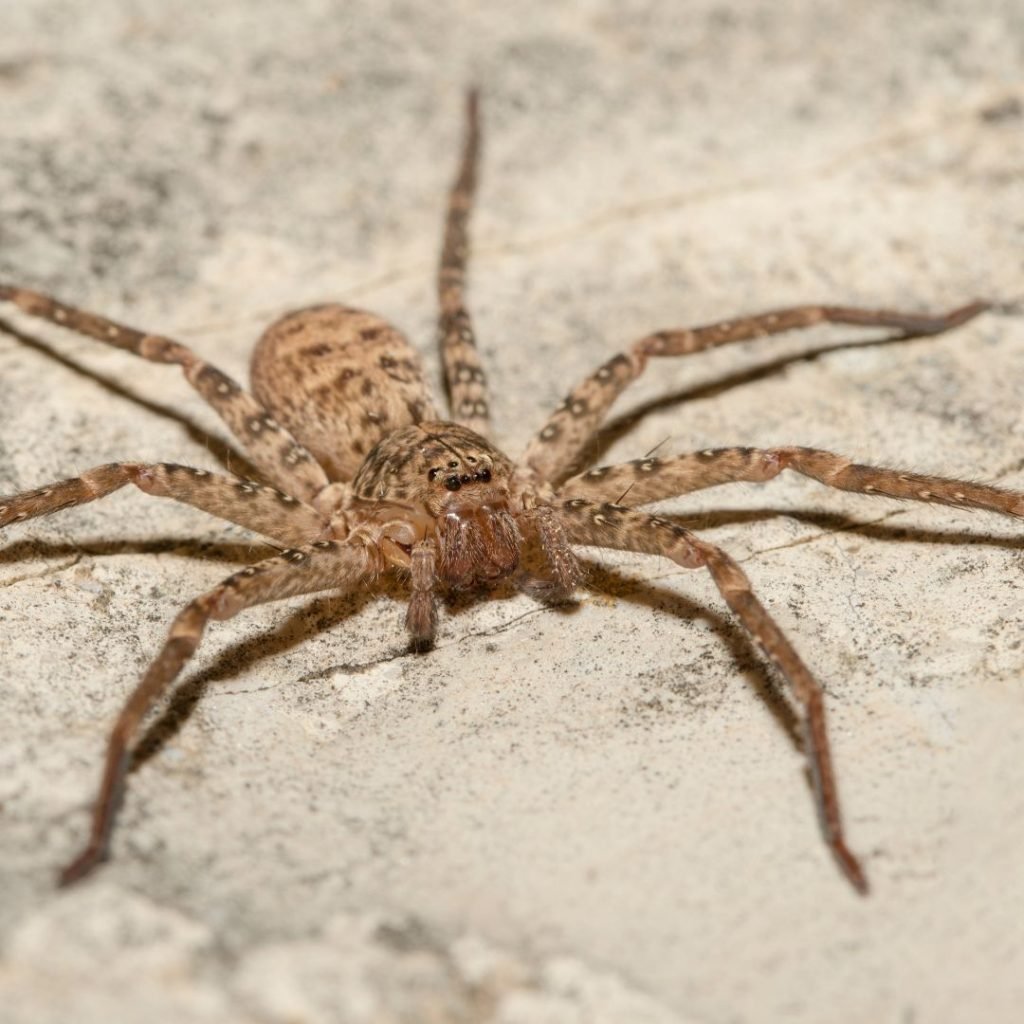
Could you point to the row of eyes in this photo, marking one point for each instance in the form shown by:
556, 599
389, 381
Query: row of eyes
454, 481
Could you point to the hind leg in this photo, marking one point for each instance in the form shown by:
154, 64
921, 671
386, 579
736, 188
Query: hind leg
271, 448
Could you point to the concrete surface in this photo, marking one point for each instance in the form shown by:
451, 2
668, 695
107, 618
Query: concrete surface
596, 815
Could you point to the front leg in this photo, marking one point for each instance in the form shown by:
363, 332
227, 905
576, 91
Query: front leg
647, 480
615, 526
251, 505
421, 616
560, 440
324, 565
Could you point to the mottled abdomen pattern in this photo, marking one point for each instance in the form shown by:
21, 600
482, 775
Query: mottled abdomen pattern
339, 379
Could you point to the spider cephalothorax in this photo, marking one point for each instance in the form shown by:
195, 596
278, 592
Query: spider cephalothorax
362, 478
455, 487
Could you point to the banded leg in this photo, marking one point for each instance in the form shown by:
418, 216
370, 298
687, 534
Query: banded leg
646, 480
463, 371
324, 565
569, 428
270, 446
251, 505
615, 526
421, 615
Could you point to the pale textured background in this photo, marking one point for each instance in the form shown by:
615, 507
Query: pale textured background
553, 817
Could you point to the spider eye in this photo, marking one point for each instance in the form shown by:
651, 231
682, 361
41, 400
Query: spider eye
453, 483
484, 475
433, 473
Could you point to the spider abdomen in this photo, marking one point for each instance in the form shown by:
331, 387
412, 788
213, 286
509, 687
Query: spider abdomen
339, 379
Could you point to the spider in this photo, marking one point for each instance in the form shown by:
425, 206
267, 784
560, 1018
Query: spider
368, 479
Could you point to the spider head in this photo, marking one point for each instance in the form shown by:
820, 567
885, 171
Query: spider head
467, 480
461, 482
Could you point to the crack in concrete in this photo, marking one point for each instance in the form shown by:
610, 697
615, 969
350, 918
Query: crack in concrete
356, 668
350, 668
500, 628
821, 535
810, 539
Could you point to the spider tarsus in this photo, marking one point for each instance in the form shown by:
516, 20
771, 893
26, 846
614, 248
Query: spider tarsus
82, 866
925, 326
965, 313
850, 867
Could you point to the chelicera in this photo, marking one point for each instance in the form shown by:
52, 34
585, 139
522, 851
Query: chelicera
362, 476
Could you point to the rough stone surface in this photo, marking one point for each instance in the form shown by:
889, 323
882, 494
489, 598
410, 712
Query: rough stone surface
596, 815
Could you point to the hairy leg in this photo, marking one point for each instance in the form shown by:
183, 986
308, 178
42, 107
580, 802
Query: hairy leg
249, 504
567, 573
645, 480
324, 565
421, 616
463, 371
270, 446
614, 526
552, 450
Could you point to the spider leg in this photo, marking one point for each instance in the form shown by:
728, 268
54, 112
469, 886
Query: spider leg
323, 565
615, 526
252, 505
464, 373
553, 449
567, 571
421, 616
646, 480
271, 447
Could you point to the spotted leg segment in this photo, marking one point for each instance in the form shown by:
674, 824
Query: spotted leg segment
615, 526
561, 439
324, 565
258, 508
270, 446
645, 480
463, 371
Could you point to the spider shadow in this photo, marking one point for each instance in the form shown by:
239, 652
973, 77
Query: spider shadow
746, 660
231, 554
617, 428
323, 612
223, 452
835, 522
328, 611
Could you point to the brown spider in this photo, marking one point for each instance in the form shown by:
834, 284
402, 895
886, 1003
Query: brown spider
369, 479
